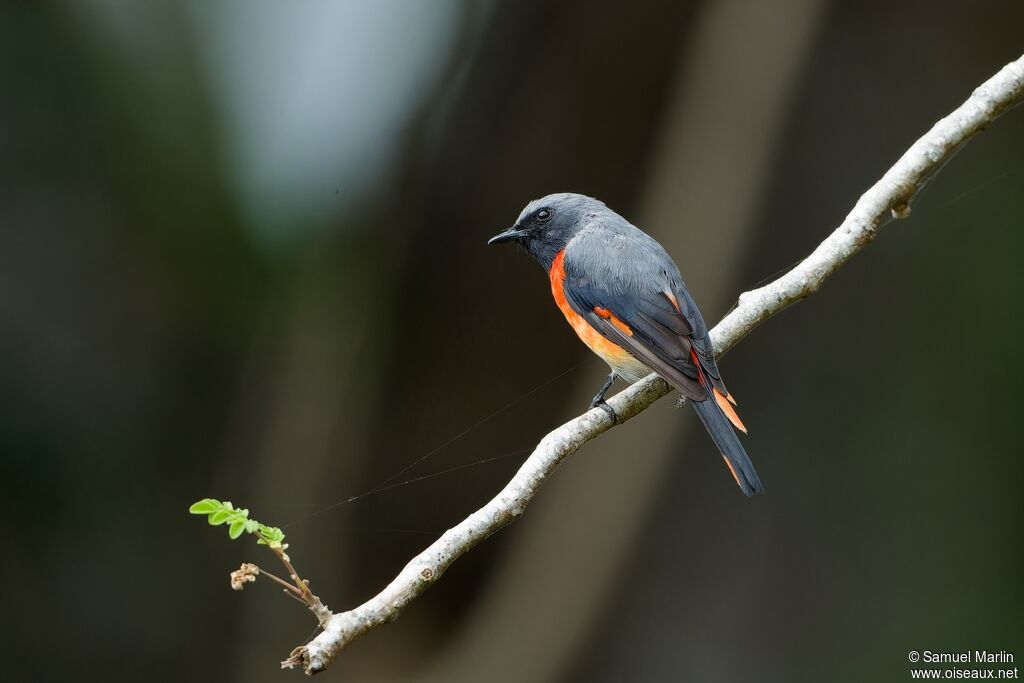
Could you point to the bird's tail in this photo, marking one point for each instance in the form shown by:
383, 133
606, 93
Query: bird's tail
718, 424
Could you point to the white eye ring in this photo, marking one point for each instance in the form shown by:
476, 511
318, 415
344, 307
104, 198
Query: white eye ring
544, 215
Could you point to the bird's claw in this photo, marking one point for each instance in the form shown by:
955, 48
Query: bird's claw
603, 405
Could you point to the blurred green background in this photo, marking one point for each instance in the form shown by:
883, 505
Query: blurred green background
242, 255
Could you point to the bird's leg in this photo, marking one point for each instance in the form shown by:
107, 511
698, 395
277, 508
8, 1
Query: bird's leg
599, 401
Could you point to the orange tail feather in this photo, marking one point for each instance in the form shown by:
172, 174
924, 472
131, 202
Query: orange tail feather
726, 404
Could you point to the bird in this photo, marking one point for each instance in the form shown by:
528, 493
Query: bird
624, 297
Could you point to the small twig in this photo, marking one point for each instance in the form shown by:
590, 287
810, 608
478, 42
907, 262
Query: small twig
295, 597
301, 587
292, 590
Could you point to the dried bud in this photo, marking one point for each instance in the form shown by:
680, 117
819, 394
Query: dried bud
247, 573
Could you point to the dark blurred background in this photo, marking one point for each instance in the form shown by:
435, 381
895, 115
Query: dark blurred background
242, 255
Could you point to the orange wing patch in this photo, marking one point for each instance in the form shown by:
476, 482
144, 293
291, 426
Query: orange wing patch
610, 317
672, 298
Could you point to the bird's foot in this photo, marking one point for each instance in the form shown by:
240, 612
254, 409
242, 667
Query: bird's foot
599, 402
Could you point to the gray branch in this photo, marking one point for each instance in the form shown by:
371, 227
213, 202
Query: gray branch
889, 198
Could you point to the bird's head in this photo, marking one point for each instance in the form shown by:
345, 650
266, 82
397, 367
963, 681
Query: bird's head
547, 224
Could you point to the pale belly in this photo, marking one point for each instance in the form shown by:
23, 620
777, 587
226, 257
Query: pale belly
629, 369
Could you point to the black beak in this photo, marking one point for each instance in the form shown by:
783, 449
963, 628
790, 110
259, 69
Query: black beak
507, 236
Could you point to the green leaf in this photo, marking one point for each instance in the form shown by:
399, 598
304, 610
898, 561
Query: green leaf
204, 506
223, 512
219, 517
270, 535
236, 529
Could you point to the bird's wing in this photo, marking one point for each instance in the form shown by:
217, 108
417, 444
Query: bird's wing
700, 337
638, 318
651, 315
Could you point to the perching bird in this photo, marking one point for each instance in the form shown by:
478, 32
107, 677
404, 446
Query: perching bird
623, 295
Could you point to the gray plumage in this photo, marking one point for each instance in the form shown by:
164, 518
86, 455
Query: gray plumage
618, 281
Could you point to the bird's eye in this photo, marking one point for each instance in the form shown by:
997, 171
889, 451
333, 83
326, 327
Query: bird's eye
543, 215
